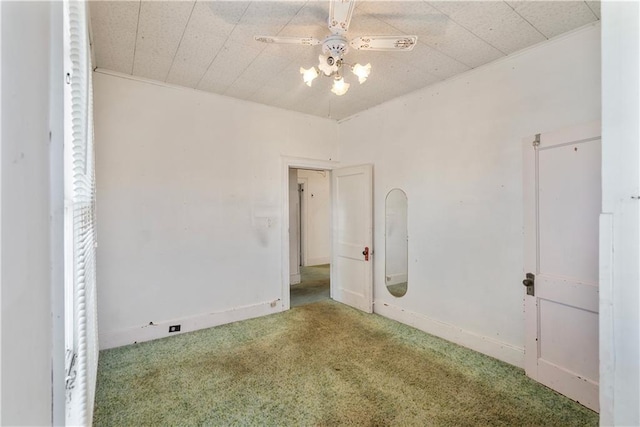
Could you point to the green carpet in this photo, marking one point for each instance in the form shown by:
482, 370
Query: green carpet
313, 286
318, 365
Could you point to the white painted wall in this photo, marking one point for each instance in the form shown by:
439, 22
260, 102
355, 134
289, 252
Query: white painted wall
317, 223
620, 222
190, 205
30, 199
455, 148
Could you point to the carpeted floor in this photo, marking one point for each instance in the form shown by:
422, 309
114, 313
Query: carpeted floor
319, 364
313, 286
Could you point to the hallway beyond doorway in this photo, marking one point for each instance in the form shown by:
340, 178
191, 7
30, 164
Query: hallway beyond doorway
313, 286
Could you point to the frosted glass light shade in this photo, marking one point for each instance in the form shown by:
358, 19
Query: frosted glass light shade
362, 71
308, 76
340, 87
325, 67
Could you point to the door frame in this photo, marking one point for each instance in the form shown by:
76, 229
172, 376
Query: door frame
304, 203
296, 163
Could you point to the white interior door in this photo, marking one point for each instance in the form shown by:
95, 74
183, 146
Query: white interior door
562, 204
352, 225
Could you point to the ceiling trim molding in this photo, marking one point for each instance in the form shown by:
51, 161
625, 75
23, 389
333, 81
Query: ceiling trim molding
466, 74
199, 91
549, 41
435, 85
153, 82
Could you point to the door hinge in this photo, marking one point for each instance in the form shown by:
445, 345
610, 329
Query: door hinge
529, 283
536, 142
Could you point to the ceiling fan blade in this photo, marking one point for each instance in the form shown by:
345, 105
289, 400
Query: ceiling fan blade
307, 41
387, 43
340, 12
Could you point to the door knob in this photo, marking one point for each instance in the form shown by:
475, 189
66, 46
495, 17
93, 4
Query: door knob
366, 253
530, 282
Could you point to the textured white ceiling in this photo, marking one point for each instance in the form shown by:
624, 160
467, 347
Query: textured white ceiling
209, 45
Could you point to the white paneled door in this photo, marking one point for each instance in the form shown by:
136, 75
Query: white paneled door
562, 204
351, 265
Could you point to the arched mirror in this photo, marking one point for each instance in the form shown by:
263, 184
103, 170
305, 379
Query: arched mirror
396, 243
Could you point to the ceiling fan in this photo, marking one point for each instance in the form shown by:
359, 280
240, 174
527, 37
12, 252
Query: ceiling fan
336, 46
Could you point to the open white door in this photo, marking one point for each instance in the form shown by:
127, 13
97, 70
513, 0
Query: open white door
562, 205
352, 229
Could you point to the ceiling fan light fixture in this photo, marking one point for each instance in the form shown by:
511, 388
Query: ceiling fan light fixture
327, 65
340, 87
309, 75
362, 71
336, 46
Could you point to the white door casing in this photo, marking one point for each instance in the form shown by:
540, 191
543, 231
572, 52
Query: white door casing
562, 205
352, 236
288, 178
294, 227
303, 185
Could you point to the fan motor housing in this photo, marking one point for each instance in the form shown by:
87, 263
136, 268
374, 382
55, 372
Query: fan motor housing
335, 46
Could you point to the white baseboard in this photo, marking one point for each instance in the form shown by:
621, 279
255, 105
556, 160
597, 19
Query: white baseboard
187, 324
318, 261
491, 347
394, 279
294, 279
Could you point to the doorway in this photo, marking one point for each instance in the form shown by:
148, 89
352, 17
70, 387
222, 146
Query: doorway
310, 240
351, 231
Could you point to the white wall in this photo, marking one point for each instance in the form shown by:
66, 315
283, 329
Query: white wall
620, 222
317, 223
30, 195
190, 204
456, 150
